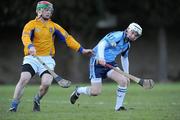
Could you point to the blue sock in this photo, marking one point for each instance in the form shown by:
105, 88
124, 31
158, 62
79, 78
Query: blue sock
14, 104
38, 97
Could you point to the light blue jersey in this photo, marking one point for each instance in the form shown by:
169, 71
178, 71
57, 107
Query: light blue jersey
115, 45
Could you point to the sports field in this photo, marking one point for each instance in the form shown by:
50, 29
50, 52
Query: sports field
160, 103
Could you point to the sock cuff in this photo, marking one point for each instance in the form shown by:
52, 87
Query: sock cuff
38, 97
15, 101
119, 87
88, 90
122, 89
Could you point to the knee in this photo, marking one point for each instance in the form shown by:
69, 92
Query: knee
128, 82
95, 92
46, 80
24, 80
46, 84
124, 82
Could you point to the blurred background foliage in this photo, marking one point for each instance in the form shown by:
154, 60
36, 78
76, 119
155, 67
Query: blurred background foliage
155, 55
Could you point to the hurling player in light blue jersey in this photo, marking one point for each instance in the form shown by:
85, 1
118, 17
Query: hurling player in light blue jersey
113, 44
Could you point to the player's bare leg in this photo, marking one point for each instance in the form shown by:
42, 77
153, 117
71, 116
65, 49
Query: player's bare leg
96, 88
24, 79
45, 83
93, 90
121, 90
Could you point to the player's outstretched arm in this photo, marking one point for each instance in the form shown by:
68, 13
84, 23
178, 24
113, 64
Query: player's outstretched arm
87, 52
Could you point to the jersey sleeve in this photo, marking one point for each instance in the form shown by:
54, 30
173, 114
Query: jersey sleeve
68, 39
125, 64
126, 52
27, 34
100, 49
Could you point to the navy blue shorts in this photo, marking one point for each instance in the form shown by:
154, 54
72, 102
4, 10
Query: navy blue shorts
99, 71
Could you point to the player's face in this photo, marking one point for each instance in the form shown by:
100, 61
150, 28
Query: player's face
132, 35
47, 13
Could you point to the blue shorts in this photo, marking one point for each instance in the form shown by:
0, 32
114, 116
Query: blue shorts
99, 71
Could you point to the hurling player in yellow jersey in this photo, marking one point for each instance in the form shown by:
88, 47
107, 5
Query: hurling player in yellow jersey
38, 40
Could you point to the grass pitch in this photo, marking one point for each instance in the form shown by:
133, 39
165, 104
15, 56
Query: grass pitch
160, 103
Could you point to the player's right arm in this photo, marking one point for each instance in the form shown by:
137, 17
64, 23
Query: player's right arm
26, 38
100, 52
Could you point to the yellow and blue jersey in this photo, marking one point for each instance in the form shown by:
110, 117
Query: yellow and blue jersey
41, 36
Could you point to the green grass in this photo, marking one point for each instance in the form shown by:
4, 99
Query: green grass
160, 103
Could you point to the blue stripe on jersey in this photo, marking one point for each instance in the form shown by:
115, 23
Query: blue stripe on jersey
32, 34
60, 36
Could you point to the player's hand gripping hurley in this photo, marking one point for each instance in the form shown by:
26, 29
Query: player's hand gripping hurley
62, 82
145, 83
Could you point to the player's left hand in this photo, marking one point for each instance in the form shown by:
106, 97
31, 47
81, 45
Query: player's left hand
87, 52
